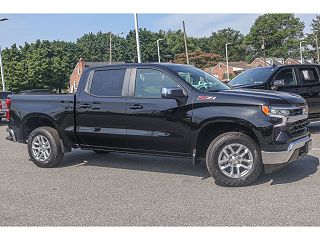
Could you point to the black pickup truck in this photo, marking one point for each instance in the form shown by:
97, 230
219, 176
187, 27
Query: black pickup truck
301, 79
165, 109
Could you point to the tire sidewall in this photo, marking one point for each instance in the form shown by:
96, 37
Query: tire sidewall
53, 146
215, 149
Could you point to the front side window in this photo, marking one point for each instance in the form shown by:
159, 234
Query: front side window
149, 83
308, 74
288, 77
107, 83
198, 78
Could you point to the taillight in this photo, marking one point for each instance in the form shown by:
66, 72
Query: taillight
8, 103
0, 105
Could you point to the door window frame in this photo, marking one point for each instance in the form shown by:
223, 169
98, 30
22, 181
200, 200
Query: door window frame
294, 73
309, 82
125, 85
133, 78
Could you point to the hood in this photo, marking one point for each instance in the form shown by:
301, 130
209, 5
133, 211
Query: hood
259, 97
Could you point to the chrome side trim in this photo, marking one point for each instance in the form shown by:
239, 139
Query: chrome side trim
284, 156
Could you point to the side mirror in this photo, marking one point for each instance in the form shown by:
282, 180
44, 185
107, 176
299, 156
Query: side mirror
172, 93
277, 83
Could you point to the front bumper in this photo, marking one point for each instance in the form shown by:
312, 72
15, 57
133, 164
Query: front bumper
275, 160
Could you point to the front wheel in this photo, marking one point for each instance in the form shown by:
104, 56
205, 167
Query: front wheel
44, 147
234, 159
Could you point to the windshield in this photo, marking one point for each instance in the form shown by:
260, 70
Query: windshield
198, 78
252, 77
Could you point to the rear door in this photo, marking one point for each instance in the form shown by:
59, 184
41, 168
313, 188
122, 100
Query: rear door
101, 109
309, 77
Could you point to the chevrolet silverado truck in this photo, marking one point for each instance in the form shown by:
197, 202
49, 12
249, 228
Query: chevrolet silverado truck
301, 79
165, 109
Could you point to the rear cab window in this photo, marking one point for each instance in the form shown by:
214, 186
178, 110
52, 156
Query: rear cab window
107, 82
308, 75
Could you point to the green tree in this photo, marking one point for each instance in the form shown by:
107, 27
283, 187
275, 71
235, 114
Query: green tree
311, 38
217, 41
280, 32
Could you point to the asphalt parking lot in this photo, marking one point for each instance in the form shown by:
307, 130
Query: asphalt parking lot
133, 190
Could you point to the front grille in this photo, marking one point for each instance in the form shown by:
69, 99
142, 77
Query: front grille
297, 128
296, 112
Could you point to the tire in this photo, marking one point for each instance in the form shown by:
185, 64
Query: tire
100, 151
51, 139
219, 149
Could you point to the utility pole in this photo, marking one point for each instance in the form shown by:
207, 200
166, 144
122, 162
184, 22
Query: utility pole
2, 74
158, 46
137, 37
110, 45
263, 47
317, 45
110, 48
1, 64
185, 42
301, 57
227, 60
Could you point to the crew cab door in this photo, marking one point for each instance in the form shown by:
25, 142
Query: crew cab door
101, 109
310, 88
156, 124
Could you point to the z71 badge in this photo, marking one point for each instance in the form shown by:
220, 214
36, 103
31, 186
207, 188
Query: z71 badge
206, 98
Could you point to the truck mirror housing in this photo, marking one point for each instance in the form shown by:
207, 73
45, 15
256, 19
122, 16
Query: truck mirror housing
278, 83
172, 93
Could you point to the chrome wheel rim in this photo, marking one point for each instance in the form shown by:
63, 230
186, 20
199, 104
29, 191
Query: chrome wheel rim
235, 160
41, 148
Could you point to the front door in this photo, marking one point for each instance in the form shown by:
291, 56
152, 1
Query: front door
156, 124
101, 109
290, 79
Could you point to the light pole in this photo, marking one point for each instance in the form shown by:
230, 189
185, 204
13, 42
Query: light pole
1, 65
185, 41
301, 58
158, 46
110, 45
227, 60
137, 37
317, 45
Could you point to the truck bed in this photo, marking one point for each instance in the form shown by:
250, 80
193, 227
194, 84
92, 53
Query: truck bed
56, 108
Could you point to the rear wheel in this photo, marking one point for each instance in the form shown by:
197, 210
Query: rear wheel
44, 147
234, 159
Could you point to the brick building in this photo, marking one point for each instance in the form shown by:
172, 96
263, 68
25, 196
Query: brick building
77, 72
220, 70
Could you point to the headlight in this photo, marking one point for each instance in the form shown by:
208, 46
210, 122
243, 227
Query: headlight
272, 111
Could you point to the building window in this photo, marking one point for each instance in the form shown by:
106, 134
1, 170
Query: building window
75, 86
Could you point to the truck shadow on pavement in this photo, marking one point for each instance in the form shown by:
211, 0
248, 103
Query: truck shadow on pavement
294, 172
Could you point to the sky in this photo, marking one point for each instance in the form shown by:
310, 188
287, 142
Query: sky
22, 28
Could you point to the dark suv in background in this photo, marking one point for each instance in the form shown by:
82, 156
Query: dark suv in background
301, 79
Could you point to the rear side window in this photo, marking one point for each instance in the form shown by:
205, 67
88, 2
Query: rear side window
308, 74
107, 83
